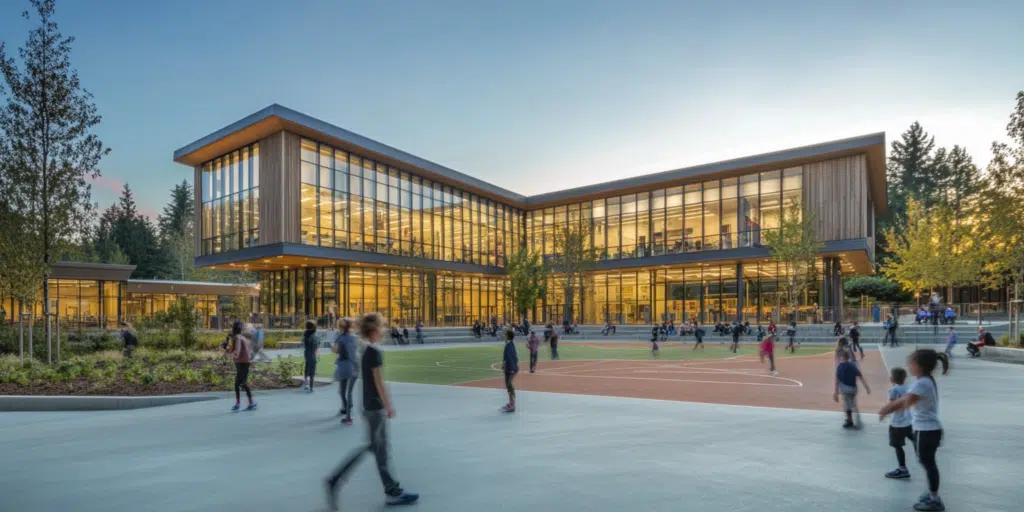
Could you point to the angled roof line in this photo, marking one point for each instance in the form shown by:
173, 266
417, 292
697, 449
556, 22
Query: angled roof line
289, 115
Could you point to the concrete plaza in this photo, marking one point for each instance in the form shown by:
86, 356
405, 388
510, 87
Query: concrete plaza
559, 452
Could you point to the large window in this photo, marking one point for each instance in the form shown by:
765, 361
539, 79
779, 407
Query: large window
353, 202
229, 188
712, 215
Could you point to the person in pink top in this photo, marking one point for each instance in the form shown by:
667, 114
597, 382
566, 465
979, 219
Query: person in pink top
533, 344
767, 349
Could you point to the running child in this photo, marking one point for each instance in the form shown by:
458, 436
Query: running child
533, 343
855, 340
309, 346
510, 365
698, 332
767, 349
791, 334
923, 401
377, 410
847, 375
900, 427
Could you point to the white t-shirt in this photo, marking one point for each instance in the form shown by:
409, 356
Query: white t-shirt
901, 418
926, 410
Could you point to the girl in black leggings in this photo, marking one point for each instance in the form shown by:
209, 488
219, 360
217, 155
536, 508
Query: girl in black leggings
240, 349
923, 401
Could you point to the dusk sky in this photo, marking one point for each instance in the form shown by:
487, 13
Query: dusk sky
537, 96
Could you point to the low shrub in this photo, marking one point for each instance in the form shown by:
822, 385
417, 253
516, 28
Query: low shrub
1004, 341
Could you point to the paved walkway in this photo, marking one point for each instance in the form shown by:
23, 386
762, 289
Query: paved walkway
559, 452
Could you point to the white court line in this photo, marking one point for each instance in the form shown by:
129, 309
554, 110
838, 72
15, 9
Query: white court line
700, 371
605, 377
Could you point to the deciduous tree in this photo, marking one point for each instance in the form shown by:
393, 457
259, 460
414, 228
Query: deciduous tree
527, 277
574, 257
795, 247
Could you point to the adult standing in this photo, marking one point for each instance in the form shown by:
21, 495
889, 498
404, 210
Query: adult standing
346, 369
554, 346
309, 346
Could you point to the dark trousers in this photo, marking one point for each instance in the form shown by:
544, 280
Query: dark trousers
554, 348
310, 372
242, 381
345, 389
890, 337
533, 361
972, 348
377, 430
928, 442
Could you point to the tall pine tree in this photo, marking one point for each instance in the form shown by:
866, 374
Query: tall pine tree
178, 212
47, 148
136, 237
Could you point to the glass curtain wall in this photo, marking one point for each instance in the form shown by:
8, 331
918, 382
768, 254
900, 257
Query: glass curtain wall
707, 216
404, 296
352, 202
229, 188
683, 294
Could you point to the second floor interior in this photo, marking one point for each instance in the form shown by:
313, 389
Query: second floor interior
288, 179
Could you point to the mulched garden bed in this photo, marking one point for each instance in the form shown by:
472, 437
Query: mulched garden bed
262, 376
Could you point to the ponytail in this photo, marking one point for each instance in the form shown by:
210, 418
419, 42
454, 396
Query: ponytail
928, 359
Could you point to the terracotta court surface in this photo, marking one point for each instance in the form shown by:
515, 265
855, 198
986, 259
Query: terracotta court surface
802, 382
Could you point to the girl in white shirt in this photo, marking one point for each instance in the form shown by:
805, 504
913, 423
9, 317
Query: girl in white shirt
923, 401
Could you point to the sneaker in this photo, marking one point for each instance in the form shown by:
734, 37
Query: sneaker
848, 424
405, 498
234, 408
930, 503
305, 387
332, 495
253, 406
774, 372
347, 422
898, 474
508, 408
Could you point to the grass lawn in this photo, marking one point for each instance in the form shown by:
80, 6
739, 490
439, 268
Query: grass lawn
462, 364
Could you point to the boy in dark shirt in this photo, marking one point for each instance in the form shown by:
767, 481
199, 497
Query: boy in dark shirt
510, 364
376, 410
847, 374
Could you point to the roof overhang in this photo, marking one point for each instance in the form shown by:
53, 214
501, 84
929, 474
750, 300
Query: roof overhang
91, 271
192, 288
276, 118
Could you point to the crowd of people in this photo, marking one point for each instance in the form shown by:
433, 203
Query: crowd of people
913, 409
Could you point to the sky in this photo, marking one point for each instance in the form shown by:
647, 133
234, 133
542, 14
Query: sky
537, 96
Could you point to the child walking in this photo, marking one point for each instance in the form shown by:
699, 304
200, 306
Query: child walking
950, 342
923, 401
240, 349
847, 375
654, 341
735, 345
768, 350
377, 410
698, 332
309, 346
791, 334
346, 369
533, 343
510, 365
900, 427
855, 340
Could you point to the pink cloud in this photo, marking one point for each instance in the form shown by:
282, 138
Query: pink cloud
112, 184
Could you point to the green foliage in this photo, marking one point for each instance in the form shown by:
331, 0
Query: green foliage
1003, 219
878, 288
932, 249
795, 247
47, 148
185, 316
527, 276
287, 367
574, 257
